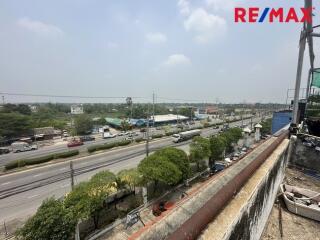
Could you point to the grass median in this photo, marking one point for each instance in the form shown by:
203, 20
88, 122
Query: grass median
33, 161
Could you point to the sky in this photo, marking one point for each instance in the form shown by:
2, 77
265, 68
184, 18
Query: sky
178, 49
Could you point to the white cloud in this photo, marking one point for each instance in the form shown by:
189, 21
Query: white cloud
205, 25
156, 37
176, 60
218, 5
184, 7
40, 28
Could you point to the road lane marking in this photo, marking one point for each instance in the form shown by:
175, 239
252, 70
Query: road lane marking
33, 196
38, 175
64, 168
6, 183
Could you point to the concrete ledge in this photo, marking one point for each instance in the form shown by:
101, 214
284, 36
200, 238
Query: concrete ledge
190, 206
246, 215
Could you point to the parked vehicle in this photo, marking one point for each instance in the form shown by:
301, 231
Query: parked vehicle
216, 127
22, 147
218, 167
87, 138
183, 136
75, 143
4, 150
108, 135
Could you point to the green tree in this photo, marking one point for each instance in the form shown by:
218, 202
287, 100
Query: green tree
177, 157
217, 146
14, 125
100, 121
52, 221
231, 137
88, 198
125, 126
266, 127
159, 169
83, 124
199, 150
129, 177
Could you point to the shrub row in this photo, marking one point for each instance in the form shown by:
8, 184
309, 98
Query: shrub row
106, 146
38, 160
157, 135
138, 140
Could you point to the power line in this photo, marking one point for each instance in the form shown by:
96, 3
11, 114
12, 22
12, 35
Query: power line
65, 96
179, 99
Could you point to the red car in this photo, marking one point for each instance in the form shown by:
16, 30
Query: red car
75, 143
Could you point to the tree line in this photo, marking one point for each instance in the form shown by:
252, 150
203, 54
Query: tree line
57, 219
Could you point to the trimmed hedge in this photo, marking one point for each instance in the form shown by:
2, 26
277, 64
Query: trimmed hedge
106, 146
66, 154
38, 160
157, 136
15, 164
138, 140
124, 143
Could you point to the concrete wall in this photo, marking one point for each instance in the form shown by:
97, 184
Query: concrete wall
246, 215
304, 156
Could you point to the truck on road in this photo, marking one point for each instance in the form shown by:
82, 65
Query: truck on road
22, 147
183, 136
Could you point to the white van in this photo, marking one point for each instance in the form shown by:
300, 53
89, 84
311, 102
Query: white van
22, 147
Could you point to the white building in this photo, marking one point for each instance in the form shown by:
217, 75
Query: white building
77, 109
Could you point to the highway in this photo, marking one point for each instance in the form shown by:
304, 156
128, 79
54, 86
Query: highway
62, 147
21, 193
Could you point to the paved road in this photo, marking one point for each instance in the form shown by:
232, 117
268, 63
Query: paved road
23, 204
63, 147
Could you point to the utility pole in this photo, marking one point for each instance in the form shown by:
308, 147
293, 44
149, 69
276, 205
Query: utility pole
147, 133
3, 102
72, 175
5, 228
153, 107
302, 45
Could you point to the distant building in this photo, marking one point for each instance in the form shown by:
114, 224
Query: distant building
210, 110
77, 109
44, 133
33, 108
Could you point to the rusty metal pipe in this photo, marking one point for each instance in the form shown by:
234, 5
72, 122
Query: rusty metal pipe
192, 228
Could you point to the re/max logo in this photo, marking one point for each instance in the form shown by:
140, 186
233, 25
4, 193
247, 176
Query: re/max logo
255, 14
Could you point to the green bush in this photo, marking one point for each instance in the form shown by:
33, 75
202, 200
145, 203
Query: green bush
66, 154
106, 146
138, 140
39, 160
124, 143
14, 164
92, 149
157, 136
